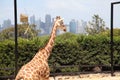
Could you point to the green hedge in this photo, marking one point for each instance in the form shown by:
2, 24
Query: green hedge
69, 49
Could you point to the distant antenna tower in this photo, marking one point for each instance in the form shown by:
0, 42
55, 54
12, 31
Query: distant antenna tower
24, 20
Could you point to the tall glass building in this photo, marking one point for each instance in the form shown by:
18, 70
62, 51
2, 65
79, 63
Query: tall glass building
32, 19
73, 26
48, 23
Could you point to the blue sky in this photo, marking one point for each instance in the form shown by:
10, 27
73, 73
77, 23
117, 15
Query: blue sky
68, 9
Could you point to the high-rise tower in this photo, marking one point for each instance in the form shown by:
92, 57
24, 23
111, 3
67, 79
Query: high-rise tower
73, 26
48, 24
32, 19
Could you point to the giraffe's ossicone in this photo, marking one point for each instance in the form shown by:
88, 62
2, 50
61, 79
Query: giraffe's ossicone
37, 68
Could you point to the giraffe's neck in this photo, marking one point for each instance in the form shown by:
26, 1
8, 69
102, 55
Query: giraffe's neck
50, 43
45, 52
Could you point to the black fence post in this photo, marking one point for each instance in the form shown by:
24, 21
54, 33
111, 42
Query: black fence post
112, 42
111, 48
16, 42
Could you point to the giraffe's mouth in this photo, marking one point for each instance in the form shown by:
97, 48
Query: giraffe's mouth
64, 30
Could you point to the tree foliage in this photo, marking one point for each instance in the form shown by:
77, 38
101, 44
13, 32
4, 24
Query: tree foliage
116, 32
95, 26
9, 32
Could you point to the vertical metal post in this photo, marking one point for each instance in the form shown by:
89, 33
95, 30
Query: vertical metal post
112, 43
16, 42
112, 39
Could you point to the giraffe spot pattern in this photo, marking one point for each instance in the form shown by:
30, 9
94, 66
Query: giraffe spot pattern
37, 68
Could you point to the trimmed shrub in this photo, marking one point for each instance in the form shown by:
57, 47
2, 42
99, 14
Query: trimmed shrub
69, 49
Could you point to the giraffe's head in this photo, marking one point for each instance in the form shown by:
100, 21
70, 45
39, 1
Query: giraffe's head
59, 23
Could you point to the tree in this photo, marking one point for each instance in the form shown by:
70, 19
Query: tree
95, 26
9, 32
116, 32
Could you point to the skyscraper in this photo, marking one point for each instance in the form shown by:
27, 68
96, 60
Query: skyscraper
32, 19
68, 28
81, 27
38, 24
42, 28
6, 23
73, 26
48, 24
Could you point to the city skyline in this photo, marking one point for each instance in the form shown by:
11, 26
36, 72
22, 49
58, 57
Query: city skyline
68, 9
74, 26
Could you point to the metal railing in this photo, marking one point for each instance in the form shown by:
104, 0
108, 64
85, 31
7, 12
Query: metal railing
80, 69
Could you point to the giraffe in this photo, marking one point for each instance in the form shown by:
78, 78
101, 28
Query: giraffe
37, 68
